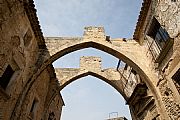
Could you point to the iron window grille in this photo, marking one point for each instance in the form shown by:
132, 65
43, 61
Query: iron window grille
159, 41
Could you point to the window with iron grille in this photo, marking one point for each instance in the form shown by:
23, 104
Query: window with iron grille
159, 34
158, 39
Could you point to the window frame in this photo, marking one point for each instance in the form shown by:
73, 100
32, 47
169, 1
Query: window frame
159, 41
158, 33
7, 91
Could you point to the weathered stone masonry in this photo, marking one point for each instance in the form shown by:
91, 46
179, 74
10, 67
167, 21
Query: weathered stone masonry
148, 81
21, 53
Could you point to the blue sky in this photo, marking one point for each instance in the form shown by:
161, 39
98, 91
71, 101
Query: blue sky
89, 98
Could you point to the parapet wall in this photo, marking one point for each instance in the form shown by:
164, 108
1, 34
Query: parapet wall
90, 63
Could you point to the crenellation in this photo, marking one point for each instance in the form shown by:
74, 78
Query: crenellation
90, 63
94, 33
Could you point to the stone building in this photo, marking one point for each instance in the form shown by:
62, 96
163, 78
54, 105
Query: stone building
22, 49
149, 80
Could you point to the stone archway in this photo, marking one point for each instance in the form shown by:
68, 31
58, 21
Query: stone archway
124, 80
91, 65
128, 51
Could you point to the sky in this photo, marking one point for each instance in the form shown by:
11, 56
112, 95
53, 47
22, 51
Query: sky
89, 98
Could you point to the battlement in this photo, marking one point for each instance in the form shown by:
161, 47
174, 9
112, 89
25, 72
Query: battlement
90, 63
94, 33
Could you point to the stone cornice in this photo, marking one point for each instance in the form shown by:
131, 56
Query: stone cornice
141, 19
32, 16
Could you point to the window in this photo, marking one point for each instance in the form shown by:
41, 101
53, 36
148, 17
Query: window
158, 41
5, 78
176, 79
159, 34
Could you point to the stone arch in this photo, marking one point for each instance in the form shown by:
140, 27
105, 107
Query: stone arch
128, 51
85, 73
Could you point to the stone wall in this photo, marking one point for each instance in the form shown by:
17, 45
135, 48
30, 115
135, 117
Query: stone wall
90, 63
54, 43
20, 49
55, 108
48, 101
92, 32
167, 12
38, 93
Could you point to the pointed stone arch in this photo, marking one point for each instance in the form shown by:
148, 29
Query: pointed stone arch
115, 82
128, 51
